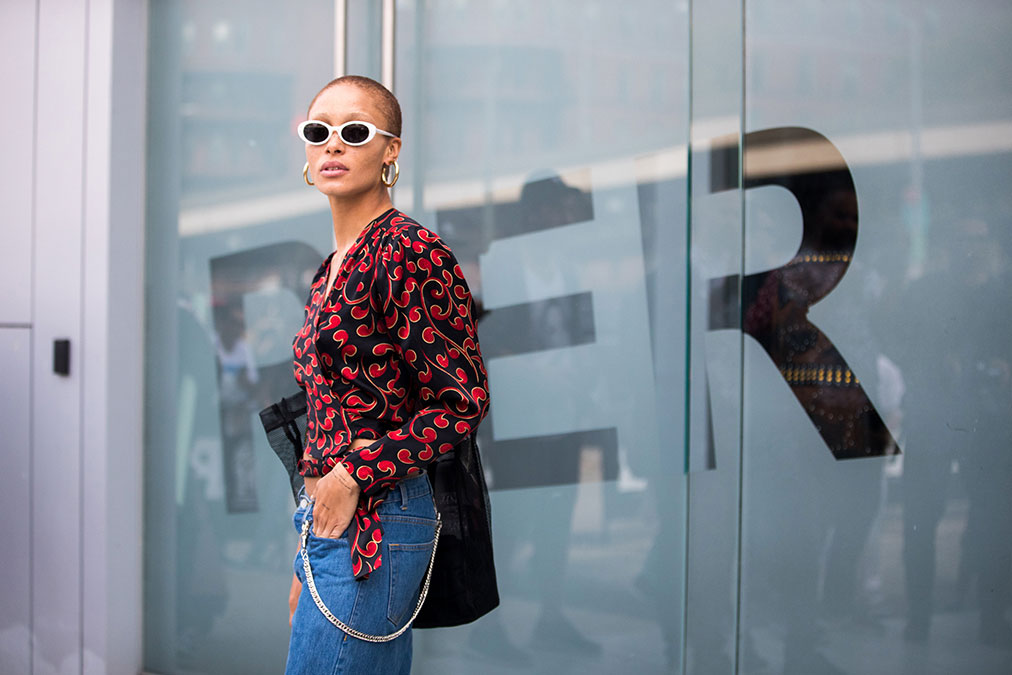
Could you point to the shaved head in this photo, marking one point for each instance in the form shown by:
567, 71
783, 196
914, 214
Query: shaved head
387, 103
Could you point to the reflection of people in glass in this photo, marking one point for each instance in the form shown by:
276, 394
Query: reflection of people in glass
237, 379
235, 357
547, 201
389, 359
982, 375
201, 593
969, 435
540, 526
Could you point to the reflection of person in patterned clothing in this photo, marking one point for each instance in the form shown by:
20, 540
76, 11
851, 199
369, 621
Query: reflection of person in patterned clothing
388, 356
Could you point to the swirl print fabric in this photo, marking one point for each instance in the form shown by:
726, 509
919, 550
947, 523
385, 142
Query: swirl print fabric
392, 356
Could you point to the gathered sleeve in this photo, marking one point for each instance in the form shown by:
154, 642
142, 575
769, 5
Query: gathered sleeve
421, 300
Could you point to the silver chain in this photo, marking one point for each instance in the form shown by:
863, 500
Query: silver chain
345, 627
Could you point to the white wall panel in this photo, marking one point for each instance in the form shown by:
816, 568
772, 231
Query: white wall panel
17, 82
56, 400
15, 521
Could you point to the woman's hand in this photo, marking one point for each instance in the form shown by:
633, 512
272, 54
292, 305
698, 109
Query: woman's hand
336, 496
293, 597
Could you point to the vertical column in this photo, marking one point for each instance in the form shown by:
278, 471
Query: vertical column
340, 41
161, 338
56, 305
388, 43
112, 360
360, 38
715, 362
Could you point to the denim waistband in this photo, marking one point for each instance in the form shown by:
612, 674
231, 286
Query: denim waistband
409, 488
401, 492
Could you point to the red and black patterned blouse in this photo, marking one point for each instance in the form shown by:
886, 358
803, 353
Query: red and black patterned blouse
392, 356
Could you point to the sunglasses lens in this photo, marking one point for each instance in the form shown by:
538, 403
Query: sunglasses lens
355, 134
314, 132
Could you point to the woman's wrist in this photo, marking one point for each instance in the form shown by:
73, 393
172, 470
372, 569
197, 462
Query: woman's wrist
344, 478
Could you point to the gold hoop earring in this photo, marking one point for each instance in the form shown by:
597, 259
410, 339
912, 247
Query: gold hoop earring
305, 175
384, 174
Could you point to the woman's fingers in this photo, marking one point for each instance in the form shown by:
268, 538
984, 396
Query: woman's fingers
330, 526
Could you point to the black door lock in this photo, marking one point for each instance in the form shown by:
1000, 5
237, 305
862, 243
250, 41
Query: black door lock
61, 357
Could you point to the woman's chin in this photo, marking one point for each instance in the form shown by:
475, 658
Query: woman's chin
338, 188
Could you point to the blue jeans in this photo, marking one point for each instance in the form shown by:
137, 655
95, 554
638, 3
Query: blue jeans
378, 605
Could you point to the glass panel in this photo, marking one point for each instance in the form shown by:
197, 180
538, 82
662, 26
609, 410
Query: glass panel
547, 144
233, 238
876, 304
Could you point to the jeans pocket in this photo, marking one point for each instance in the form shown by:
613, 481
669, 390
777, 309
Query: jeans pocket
316, 537
342, 536
408, 553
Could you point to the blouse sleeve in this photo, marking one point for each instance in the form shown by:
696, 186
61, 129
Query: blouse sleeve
426, 309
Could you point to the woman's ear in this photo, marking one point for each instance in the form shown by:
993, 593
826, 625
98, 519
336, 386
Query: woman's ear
393, 151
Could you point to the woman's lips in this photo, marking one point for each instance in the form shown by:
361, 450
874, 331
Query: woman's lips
332, 169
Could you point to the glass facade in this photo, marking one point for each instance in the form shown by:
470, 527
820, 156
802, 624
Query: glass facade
853, 555
234, 238
742, 272
546, 142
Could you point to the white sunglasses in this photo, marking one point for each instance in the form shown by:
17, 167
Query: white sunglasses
315, 132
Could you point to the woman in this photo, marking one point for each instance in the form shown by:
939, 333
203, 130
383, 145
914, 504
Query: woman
389, 360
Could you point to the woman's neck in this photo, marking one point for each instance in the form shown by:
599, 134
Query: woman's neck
350, 216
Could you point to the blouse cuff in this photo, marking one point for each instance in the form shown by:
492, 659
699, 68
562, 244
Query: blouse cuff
359, 471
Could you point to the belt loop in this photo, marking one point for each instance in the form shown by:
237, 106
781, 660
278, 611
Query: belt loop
404, 496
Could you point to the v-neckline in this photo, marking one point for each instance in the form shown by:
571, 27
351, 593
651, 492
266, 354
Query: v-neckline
329, 263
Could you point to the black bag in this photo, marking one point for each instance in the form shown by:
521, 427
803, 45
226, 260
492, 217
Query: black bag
463, 586
285, 424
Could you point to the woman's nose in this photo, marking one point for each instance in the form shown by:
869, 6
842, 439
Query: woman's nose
334, 143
